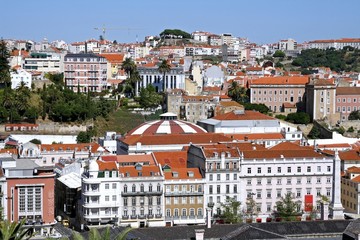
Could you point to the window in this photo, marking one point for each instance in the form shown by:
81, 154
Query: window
125, 188
258, 181
268, 193
318, 180
308, 169
218, 177
308, 191
176, 200
298, 181
278, 193
268, 181
328, 168
308, 180
235, 176
210, 177
158, 188
133, 188
318, 168
259, 170
114, 198
218, 189
150, 187
133, 201
142, 188
210, 189
227, 176
279, 169
183, 212
289, 169
125, 201
249, 170
328, 180
299, 169
248, 182
107, 186
158, 200
278, 181
288, 181
235, 188
269, 169
227, 188
114, 186
258, 194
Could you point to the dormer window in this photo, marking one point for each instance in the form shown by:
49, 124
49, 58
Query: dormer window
191, 174
175, 174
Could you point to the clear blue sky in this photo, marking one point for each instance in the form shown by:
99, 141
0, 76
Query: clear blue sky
262, 21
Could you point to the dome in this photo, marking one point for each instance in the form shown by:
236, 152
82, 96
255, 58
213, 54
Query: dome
168, 124
93, 166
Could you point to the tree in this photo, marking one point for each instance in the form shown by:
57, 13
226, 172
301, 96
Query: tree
35, 141
279, 54
231, 211
257, 107
287, 208
15, 230
250, 210
83, 137
354, 115
164, 68
149, 98
314, 133
94, 234
298, 118
128, 66
174, 33
5, 78
237, 93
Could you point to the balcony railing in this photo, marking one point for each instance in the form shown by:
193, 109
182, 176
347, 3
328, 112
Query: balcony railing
125, 217
138, 193
187, 193
158, 215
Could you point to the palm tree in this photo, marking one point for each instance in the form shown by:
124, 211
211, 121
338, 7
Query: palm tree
95, 235
15, 231
164, 68
237, 93
129, 66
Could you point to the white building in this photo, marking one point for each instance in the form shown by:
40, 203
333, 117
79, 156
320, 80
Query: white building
20, 76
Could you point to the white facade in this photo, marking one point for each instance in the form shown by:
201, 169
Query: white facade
45, 62
20, 76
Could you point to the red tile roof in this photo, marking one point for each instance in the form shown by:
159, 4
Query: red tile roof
256, 136
146, 158
347, 91
146, 171
248, 115
70, 147
175, 139
173, 159
106, 166
183, 173
281, 80
351, 155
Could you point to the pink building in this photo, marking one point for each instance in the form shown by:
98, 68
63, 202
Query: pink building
347, 100
86, 72
275, 91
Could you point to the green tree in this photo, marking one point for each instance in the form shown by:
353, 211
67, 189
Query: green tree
149, 98
279, 54
287, 208
354, 115
35, 141
94, 234
177, 33
298, 118
129, 66
5, 78
231, 211
237, 93
314, 133
15, 230
164, 68
257, 107
84, 137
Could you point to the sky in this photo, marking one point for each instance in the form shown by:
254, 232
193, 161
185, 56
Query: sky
261, 21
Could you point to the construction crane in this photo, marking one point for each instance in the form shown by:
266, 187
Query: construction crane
104, 29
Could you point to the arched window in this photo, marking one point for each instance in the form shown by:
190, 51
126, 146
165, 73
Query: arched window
158, 189
176, 212
192, 212
125, 188
183, 212
133, 188
142, 188
168, 212
150, 187
199, 212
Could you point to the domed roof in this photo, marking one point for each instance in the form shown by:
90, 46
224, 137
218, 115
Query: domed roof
168, 124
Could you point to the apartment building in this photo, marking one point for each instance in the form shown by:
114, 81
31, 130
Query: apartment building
275, 91
44, 62
184, 189
149, 74
321, 100
350, 186
85, 72
19, 77
264, 175
335, 43
347, 101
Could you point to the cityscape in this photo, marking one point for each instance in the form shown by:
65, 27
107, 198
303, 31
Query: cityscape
123, 133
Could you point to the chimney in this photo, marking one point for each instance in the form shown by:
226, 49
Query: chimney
199, 234
86, 47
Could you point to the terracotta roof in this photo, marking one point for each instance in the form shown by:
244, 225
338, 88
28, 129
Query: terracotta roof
70, 147
255, 136
168, 139
353, 169
230, 104
281, 80
183, 173
236, 145
113, 57
356, 179
248, 115
271, 154
350, 155
215, 88
347, 91
146, 158
106, 166
289, 105
335, 145
173, 159
9, 150
290, 146
323, 82
146, 171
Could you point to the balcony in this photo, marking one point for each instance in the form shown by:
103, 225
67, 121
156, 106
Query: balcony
149, 216
92, 193
141, 216
125, 217
129, 194
187, 193
158, 215
133, 217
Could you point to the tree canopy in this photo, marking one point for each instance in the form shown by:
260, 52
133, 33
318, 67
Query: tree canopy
231, 211
279, 54
298, 118
149, 98
346, 59
15, 230
174, 33
287, 208
354, 115
4, 64
257, 107
238, 93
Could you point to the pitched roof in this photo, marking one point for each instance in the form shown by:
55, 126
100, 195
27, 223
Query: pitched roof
243, 115
173, 159
183, 173
347, 91
271, 154
106, 166
281, 80
144, 171
350, 155
122, 159
95, 147
176, 139
255, 136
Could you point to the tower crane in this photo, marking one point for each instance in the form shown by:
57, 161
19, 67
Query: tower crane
104, 29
